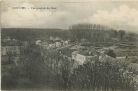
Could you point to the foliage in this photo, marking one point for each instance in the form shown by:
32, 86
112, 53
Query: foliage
101, 76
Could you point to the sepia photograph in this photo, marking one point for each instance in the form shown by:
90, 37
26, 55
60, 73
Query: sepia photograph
69, 45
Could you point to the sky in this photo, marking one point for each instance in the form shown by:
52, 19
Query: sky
61, 14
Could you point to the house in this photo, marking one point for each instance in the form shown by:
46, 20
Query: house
38, 42
80, 58
44, 45
11, 47
55, 43
58, 44
122, 58
74, 54
52, 45
84, 56
66, 43
11, 50
54, 38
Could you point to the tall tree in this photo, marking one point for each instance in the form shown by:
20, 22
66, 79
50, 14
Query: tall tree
121, 34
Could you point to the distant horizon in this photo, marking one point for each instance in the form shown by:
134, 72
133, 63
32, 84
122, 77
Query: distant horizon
61, 29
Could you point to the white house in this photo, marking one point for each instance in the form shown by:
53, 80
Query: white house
74, 55
58, 44
81, 59
52, 45
38, 42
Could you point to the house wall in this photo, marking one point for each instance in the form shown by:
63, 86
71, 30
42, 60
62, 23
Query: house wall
13, 50
80, 58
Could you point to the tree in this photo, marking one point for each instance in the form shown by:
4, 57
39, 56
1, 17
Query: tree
101, 76
111, 53
131, 37
121, 34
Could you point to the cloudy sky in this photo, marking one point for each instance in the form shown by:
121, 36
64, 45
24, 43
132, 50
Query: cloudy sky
116, 14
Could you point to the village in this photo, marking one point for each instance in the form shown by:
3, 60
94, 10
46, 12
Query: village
80, 52
64, 56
